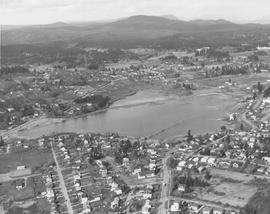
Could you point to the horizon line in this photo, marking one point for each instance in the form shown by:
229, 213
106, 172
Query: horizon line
120, 18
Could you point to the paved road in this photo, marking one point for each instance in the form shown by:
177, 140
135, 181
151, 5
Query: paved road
165, 194
62, 183
166, 172
165, 188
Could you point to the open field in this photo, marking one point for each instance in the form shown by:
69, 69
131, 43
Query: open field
230, 188
241, 80
29, 159
234, 194
8, 188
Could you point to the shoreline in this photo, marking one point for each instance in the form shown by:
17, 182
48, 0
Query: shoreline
45, 121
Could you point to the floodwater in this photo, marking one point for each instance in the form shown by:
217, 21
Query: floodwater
149, 112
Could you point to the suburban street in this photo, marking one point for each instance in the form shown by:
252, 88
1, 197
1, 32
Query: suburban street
165, 186
62, 183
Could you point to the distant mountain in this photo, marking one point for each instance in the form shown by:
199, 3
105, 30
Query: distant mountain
211, 22
264, 20
134, 30
170, 16
56, 24
10, 27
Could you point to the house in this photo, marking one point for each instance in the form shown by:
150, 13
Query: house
201, 169
179, 168
103, 172
118, 191
147, 196
204, 159
182, 163
195, 207
181, 188
190, 166
196, 159
266, 159
84, 200
76, 177
146, 207
141, 175
150, 174
151, 151
211, 161
152, 166
224, 164
95, 199
136, 171
41, 142
125, 162
261, 170
266, 100
66, 157
115, 203
146, 174
235, 165
207, 210
99, 163
218, 211
21, 167
175, 207
10, 109
20, 184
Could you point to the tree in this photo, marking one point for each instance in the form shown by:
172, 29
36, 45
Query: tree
172, 163
28, 110
223, 128
241, 127
189, 135
2, 142
260, 88
266, 92
205, 151
207, 175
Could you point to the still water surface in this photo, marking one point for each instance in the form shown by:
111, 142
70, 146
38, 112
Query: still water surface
149, 112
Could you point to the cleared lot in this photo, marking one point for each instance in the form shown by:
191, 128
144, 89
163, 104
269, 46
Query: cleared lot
228, 187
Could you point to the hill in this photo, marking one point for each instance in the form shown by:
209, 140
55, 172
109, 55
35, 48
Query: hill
131, 31
170, 16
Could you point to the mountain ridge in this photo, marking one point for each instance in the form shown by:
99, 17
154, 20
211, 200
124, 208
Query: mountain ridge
135, 28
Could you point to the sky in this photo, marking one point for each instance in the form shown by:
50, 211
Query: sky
24, 12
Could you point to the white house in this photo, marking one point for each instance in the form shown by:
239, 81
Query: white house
175, 207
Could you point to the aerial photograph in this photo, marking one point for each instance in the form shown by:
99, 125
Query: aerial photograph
135, 107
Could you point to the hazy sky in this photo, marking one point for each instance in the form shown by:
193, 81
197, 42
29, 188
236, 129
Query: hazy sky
49, 11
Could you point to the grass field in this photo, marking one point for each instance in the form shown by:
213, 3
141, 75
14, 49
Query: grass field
8, 189
29, 159
231, 188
